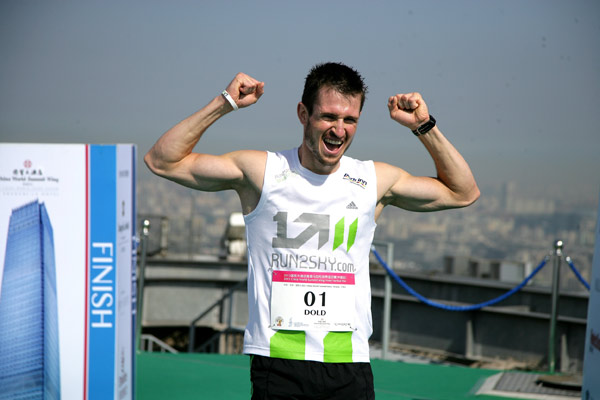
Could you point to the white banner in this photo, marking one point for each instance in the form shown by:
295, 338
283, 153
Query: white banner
67, 220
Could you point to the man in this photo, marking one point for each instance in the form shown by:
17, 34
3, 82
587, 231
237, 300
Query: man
310, 217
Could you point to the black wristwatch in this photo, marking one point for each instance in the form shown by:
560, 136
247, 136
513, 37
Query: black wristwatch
426, 127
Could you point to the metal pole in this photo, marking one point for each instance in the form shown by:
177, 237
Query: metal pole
558, 246
192, 338
230, 294
387, 303
140, 291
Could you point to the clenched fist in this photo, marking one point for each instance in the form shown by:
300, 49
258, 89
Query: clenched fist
408, 109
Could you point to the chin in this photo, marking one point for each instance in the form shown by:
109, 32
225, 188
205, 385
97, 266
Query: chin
332, 158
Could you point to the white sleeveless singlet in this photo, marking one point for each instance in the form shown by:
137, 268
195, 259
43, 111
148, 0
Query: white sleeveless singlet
318, 228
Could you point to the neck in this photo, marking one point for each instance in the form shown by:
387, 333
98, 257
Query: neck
313, 164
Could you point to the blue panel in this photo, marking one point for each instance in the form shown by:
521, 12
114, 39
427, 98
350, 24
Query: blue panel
101, 273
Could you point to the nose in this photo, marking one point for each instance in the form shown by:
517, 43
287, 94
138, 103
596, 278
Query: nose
339, 129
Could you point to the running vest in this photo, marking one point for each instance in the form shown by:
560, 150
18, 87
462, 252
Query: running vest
306, 229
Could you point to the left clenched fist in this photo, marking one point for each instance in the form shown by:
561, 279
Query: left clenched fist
408, 109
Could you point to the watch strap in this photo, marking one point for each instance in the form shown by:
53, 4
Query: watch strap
426, 127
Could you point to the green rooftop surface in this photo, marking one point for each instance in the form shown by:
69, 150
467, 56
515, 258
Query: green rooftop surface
212, 376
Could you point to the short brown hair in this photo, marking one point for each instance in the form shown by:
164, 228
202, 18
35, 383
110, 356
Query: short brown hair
342, 78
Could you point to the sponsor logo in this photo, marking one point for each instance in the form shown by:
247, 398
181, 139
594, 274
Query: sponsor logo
357, 181
27, 173
351, 206
284, 175
318, 225
310, 262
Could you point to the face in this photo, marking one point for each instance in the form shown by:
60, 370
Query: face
329, 130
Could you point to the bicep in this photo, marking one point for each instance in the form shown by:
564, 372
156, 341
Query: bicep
211, 173
208, 172
415, 193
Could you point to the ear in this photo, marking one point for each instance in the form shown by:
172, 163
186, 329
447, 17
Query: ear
302, 113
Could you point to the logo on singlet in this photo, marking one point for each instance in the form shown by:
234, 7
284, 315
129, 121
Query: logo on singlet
318, 225
357, 181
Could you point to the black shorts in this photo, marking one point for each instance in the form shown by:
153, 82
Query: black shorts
276, 378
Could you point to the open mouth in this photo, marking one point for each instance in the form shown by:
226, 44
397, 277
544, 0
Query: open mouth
332, 145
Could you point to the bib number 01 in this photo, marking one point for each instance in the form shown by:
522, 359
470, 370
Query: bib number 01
309, 299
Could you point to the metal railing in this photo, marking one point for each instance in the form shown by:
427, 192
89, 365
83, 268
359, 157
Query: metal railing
557, 256
148, 342
387, 299
219, 303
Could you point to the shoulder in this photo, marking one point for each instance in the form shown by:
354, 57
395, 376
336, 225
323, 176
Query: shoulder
388, 177
247, 156
389, 173
251, 163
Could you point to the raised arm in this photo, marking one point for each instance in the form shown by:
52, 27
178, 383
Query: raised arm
454, 185
171, 156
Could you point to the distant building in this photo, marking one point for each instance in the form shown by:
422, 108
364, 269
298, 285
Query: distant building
29, 346
507, 197
499, 270
511, 203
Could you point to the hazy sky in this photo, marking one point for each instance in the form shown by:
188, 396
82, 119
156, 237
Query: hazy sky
514, 84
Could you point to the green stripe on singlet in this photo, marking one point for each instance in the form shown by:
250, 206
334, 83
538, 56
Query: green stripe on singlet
352, 233
337, 347
288, 344
338, 237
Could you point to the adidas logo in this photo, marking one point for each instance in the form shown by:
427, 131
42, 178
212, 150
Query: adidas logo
352, 206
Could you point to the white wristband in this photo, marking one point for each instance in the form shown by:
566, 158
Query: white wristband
230, 100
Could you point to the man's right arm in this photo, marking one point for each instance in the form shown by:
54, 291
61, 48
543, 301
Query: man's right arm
172, 156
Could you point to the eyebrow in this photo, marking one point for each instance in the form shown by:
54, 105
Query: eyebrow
336, 116
328, 115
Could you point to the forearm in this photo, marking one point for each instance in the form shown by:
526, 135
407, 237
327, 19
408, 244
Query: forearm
452, 169
179, 141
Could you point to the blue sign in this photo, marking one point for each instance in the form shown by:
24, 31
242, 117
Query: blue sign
101, 274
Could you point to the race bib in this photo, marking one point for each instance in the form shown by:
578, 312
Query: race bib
312, 301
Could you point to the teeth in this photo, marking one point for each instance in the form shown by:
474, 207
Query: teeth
333, 141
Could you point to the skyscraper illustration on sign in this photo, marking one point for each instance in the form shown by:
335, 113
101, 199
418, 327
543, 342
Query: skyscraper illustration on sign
29, 346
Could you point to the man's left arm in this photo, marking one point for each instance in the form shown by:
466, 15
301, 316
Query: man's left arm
454, 185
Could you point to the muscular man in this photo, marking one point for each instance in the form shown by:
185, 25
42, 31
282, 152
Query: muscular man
310, 217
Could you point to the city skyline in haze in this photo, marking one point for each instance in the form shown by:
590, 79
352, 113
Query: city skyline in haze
513, 85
